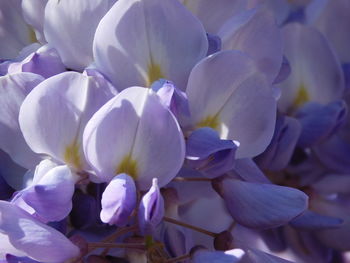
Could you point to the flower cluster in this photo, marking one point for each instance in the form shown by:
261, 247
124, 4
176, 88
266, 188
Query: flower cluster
174, 131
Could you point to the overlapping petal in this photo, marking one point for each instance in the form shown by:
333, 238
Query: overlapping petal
255, 32
34, 239
50, 196
261, 206
70, 26
118, 200
54, 114
13, 90
138, 42
14, 32
228, 93
316, 72
151, 145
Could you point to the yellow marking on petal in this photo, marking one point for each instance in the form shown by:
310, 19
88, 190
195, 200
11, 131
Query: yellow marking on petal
72, 156
210, 121
154, 73
128, 166
302, 96
32, 35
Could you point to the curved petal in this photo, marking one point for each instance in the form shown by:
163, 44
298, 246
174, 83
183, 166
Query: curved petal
14, 32
214, 14
70, 26
151, 210
32, 238
313, 221
152, 135
255, 32
51, 196
334, 22
54, 114
221, 91
13, 90
12, 173
316, 72
261, 206
319, 122
207, 153
118, 200
278, 154
139, 42
44, 61
33, 13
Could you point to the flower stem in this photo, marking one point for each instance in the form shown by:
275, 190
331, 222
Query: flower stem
198, 229
95, 245
115, 235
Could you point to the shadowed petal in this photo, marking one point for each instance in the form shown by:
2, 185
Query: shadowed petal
13, 90
70, 27
51, 196
14, 32
261, 206
32, 238
316, 72
33, 13
255, 32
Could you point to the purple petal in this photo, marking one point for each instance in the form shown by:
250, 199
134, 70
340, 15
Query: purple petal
214, 44
313, 221
334, 153
250, 172
206, 152
173, 98
334, 22
255, 32
257, 256
320, 121
113, 147
14, 89
33, 13
118, 200
14, 259
151, 210
206, 256
261, 206
139, 42
34, 239
51, 196
284, 72
68, 22
278, 154
45, 62
15, 33
221, 90
54, 114
214, 14
316, 72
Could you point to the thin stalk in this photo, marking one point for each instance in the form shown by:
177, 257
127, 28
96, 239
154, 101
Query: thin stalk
195, 228
95, 245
